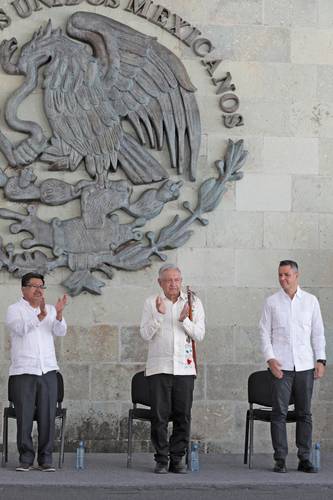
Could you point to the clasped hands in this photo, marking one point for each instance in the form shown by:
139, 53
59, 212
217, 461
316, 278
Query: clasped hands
59, 307
161, 308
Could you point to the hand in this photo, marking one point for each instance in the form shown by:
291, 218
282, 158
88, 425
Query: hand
319, 370
60, 305
275, 368
160, 305
43, 311
184, 313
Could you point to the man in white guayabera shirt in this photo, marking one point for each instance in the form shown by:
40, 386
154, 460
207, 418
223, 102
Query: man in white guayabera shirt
170, 368
32, 325
293, 344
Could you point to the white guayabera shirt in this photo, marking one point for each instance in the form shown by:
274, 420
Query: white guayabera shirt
292, 331
170, 341
32, 345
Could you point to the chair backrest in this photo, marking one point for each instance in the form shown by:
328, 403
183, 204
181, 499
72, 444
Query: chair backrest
60, 383
260, 388
140, 389
10, 390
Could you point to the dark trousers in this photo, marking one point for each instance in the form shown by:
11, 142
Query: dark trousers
35, 396
171, 397
301, 383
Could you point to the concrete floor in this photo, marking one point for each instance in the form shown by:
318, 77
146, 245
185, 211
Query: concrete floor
221, 476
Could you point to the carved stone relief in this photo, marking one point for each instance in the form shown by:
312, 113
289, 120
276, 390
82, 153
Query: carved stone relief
95, 78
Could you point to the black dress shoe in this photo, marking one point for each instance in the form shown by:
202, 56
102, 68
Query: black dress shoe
161, 468
306, 466
177, 468
280, 466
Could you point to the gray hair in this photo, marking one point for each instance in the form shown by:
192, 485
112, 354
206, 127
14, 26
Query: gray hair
166, 267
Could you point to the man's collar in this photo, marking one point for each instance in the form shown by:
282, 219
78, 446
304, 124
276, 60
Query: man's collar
26, 303
298, 294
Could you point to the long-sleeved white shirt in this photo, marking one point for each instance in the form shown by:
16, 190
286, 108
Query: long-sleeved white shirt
170, 341
292, 331
32, 345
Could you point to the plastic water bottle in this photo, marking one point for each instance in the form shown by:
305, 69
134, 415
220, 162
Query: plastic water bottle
316, 456
195, 457
80, 451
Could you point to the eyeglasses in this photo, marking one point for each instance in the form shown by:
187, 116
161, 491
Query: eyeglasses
37, 287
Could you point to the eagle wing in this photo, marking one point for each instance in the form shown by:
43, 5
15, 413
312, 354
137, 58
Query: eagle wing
145, 84
82, 118
85, 123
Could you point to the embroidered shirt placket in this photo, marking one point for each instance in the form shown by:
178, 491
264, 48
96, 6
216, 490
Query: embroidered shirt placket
40, 367
292, 327
40, 351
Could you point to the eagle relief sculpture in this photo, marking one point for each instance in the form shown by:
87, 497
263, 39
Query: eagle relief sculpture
107, 91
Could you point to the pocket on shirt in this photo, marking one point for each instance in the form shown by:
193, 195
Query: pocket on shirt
279, 332
279, 339
305, 323
303, 334
278, 320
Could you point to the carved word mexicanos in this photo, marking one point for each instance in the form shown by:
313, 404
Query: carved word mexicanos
169, 21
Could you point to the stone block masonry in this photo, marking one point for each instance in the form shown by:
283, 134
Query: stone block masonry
279, 53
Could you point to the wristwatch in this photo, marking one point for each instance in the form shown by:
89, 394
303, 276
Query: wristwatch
322, 361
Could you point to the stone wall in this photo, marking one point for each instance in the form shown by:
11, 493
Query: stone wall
280, 55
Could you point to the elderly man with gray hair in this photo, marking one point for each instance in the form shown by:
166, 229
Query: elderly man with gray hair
169, 325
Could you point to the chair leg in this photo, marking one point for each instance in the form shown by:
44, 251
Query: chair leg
62, 440
5, 439
129, 439
246, 444
251, 440
188, 451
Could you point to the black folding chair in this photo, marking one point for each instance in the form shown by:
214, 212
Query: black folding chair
260, 393
9, 412
140, 395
